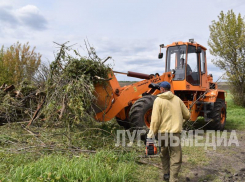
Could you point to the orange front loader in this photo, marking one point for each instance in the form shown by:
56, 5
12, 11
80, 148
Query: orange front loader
185, 70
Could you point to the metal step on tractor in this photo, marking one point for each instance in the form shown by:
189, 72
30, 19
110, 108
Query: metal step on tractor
185, 70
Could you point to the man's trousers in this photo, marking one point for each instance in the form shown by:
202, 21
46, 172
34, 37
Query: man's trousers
171, 155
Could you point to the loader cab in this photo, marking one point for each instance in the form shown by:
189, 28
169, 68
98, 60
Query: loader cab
187, 61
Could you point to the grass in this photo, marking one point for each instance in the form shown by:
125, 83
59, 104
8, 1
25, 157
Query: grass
107, 164
195, 156
103, 166
20, 162
235, 115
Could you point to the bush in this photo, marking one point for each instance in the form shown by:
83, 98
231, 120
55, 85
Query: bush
18, 62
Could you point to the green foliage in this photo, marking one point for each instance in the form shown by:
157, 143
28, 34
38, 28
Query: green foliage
227, 43
2, 94
26, 87
4, 75
70, 86
103, 166
18, 62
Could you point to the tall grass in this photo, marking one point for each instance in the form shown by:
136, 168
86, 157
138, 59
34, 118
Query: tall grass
103, 166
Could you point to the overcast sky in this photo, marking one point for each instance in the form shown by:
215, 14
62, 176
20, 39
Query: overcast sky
130, 31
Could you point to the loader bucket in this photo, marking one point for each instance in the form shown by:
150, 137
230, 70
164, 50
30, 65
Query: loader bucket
104, 94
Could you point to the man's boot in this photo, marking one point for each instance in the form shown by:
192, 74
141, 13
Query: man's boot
166, 177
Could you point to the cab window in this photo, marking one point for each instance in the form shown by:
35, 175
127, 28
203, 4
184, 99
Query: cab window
202, 60
192, 67
176, 57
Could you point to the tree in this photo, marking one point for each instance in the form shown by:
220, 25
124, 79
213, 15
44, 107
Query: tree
227, 43
18, 63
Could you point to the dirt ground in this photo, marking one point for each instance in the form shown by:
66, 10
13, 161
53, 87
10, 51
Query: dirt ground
225, 164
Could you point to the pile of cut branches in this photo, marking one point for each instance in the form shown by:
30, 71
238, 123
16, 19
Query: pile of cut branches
70, 86
67, 95
18, 104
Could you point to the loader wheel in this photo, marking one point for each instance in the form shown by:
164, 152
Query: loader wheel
218, 115
140, 112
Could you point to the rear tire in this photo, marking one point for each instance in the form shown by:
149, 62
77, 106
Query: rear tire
218, 115
140, 112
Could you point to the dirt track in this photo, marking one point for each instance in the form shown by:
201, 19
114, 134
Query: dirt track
225, 164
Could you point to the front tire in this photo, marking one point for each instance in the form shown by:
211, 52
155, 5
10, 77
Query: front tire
140, 112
